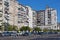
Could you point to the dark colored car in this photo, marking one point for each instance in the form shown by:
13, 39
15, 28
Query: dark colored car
5, 34
52, 32
0, 34
26, 34
40, 33
34, 32
13, 33
55, 32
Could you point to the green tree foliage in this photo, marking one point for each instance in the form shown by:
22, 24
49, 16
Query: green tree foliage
45, 30
37, 29
25, 28
1, 28
10, 28
15, 28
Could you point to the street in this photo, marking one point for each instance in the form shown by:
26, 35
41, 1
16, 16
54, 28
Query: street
33, 37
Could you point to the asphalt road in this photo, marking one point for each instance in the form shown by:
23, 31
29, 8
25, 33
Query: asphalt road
33, 37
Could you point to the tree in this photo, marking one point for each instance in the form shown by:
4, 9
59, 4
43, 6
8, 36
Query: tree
25, 28
58, 30
15, 28
1, 28
37, 29
5, 26
10, 28
45, 30
51, 30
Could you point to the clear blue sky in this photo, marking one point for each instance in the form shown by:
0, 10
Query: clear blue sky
41, 4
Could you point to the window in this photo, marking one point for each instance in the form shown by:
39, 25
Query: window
0, 10
18, 8
7, 18
6, 4
27, 22
22, 9
0, 15
1, 20
0, 3
55, 26
6, 8
18, 21
38, 21
19, 17
6, 12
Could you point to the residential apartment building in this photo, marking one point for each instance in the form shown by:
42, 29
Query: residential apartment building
13, 13
32, 17
22, 16
51, 18
7, 12
1, 12
47, 18
41, 18
16, 14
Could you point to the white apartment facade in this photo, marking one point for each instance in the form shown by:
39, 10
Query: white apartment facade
16, 14
51, 18
47, 19
7, 10
32, 17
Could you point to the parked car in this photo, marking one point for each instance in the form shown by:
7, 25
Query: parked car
34, 32
52, 32
13, 33
0, 34
58, 32
55, 32
6, 33
26, 33
40, 33
19, 34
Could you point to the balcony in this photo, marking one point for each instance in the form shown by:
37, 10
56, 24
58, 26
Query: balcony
6, 8
21, 9
6, 4
6, 12
7, 17
0, 23
1, 11
20, 21
1, 20
0, 15
0, 2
